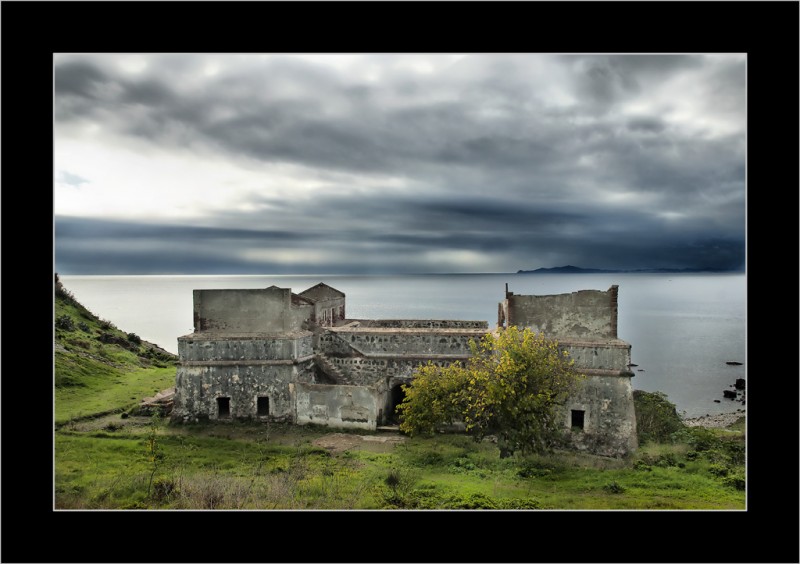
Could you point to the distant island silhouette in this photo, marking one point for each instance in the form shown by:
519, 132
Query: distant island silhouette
569, 269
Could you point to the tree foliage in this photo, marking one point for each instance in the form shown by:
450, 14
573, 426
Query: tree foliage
656, 417
511, 387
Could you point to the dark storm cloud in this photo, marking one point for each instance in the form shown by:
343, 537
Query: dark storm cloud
77, 78
605, 79
498, 155
646, 125
68, 228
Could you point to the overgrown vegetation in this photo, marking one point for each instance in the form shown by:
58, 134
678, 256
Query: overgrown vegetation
125, 461
97, 367
510, 388
656, 417
251, 466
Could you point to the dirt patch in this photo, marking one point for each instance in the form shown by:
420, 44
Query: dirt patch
340, 442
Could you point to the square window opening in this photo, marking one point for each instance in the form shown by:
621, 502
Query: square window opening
223, 407
577, 419
262, 406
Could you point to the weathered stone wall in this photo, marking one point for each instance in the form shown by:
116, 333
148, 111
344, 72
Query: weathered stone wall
245, 311
195, 348
599, 355
198, 387
334, 345
360, 370
409, 341
354, 407
423, 323
609, 416
371, 371
298, 316
586, 314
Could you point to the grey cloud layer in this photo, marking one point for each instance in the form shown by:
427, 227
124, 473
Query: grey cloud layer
495, 156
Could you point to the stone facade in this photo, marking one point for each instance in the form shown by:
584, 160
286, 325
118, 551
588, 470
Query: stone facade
600, 418
272, 354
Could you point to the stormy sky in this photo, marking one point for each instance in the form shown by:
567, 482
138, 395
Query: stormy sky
389, 163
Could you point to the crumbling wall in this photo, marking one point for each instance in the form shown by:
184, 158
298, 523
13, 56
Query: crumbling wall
608, 415
586, 314
423, 323
360, 370
354, 407
333, 344
370, 371
195, 348
599, 355
198, 387
409, 341
329, 304
243, 311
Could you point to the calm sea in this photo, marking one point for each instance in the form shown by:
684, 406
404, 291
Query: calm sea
683, 328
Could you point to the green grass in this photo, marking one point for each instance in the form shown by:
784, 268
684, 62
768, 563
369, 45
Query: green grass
109, 391
98, 368
105, 464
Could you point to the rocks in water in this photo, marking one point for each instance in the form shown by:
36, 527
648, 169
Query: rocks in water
640, 370
717, 401
632, 364
733, 363
729, 394
739, 384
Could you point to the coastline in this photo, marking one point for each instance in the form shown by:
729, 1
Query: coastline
719, 420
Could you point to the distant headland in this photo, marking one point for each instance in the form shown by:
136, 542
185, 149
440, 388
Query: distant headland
569, 269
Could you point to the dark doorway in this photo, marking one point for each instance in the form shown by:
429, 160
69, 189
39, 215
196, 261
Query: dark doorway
577, 419
262, 406
223, 407
397, 397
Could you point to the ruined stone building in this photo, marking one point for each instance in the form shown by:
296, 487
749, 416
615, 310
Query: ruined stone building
272, 354
600, 416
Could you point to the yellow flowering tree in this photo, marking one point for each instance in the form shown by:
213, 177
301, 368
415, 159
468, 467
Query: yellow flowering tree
511, 387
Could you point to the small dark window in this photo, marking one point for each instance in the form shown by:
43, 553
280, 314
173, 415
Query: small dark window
223, 407
577, 418
263, 406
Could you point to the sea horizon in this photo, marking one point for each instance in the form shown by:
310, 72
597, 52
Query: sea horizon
683, 327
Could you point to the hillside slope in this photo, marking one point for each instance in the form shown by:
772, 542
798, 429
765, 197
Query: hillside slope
99, 368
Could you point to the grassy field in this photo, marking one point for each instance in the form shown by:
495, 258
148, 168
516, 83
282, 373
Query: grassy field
139, 462
108, 457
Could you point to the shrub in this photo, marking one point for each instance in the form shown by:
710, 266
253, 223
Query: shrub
461, 465
62, 292
134, 338
518, 503
666, 460
614, 488
83, 327
538, 466
510, 388
735, 480
656, 417
65, 322
718, 470
165, 489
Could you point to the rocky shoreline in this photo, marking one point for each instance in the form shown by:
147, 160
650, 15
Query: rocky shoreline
720, 420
